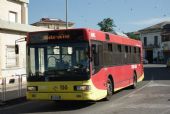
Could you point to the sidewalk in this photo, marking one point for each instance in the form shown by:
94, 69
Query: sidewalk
14, 90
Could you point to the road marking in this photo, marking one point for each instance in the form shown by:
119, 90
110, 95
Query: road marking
148, 106
150, 95
153, 84
135, 91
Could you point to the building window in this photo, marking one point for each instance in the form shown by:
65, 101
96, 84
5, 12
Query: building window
145, 41
12, 59
155, 40
12, 16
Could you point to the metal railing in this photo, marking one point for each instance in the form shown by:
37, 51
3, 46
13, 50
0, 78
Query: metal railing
12, 87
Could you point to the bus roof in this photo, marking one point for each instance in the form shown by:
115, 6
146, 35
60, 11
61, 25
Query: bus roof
93, 34
101, 36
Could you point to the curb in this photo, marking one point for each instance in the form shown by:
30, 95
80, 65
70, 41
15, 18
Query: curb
13, 101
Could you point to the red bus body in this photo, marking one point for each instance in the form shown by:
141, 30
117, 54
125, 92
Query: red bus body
121, 75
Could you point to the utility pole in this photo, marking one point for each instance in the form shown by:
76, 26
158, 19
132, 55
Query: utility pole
66, 14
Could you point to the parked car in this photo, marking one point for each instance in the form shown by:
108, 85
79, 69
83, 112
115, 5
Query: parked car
145, 61
168, 63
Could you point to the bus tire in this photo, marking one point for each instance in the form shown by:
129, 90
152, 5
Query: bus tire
109, 89
134, 81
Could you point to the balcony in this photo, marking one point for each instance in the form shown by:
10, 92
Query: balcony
151, 46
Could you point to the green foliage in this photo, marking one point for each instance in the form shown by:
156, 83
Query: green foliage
107, 25
133, 36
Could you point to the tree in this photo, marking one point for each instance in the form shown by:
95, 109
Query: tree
107, 25
133, 35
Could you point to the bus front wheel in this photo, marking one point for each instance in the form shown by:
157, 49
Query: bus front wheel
109, 89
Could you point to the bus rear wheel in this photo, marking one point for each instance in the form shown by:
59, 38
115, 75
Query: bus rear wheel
134, 81
109, 89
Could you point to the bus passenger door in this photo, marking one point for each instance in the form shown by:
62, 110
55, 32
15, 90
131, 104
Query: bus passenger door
96, 58
98, 72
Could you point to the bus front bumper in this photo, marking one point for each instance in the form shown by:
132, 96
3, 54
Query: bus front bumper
61, 96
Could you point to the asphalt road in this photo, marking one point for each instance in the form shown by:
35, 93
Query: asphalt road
151, 97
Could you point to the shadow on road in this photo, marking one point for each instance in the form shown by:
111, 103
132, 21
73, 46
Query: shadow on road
156, 73
12, 102
48, 106
69, 105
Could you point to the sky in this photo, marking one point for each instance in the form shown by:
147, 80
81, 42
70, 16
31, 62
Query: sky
128, 15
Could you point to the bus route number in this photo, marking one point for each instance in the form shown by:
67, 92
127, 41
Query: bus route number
63, 87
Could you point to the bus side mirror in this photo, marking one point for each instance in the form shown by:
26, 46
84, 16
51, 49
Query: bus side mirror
16, 49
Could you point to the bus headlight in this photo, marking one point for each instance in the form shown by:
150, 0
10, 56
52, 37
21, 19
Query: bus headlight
82, 88
32, 88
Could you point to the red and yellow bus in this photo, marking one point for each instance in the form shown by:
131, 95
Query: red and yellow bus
81, 64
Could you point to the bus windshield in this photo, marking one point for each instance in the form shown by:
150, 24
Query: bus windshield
58, 62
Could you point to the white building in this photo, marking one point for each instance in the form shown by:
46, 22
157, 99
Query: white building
53, 23
13, 26
154, 43
166, 40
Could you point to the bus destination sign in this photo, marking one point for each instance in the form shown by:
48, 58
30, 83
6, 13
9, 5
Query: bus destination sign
56, 36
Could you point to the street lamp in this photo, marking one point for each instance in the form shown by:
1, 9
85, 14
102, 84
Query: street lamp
66, 15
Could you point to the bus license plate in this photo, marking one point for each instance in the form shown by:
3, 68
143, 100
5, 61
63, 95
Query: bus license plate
54, 97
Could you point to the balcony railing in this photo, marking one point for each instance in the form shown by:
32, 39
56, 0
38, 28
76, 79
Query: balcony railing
151, 46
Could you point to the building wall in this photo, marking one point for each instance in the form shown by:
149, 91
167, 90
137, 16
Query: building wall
150, 37
19, 7
7, 38
24, 13
166, 45
150, 42
166, 50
